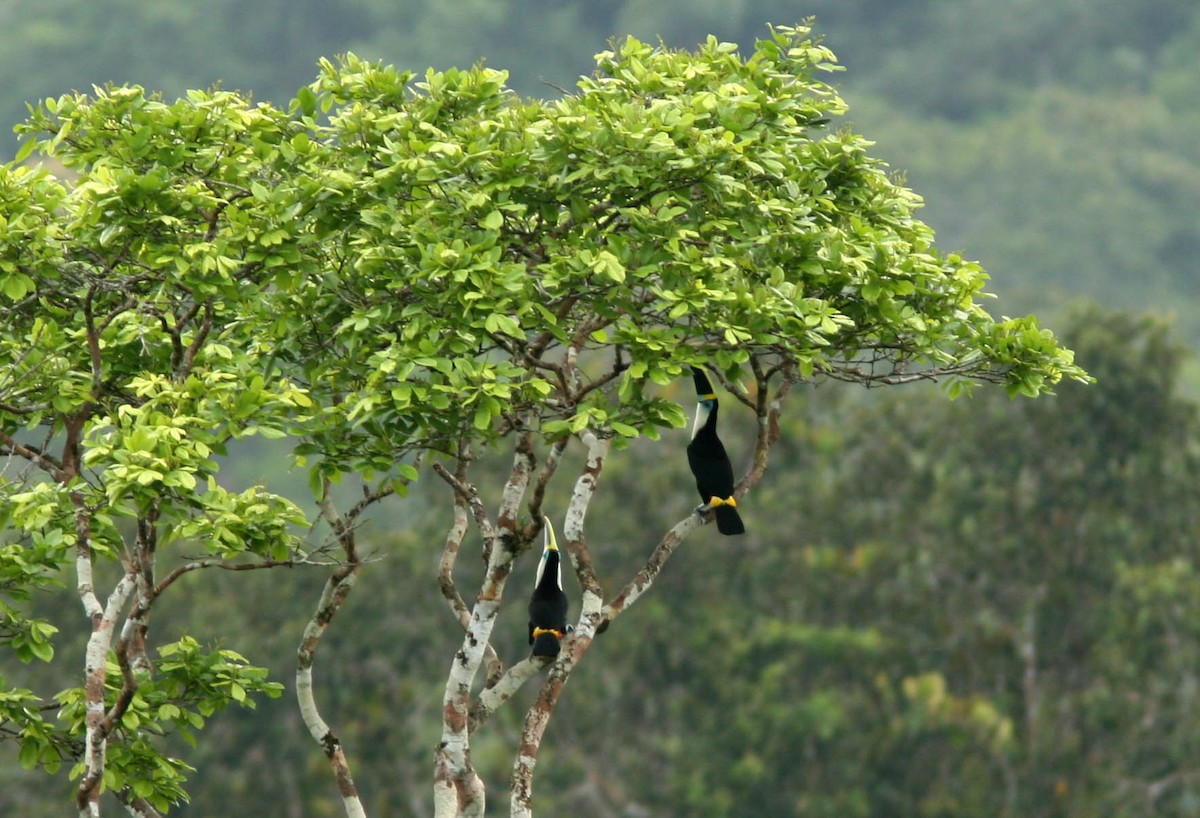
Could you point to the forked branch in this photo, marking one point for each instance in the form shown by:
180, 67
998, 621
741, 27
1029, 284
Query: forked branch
333, 596
458, 790
594, 617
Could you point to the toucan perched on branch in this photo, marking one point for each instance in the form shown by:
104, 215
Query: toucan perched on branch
710, 464
548, 605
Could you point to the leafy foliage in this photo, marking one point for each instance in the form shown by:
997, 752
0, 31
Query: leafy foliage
680, 208
392, 269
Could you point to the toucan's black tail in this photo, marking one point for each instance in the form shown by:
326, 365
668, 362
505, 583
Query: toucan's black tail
729, 522
546, 643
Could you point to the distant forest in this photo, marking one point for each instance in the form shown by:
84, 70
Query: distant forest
982, 608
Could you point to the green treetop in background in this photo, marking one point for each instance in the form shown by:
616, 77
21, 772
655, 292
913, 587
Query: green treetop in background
395, 274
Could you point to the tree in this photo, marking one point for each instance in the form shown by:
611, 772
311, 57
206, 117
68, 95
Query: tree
403, 277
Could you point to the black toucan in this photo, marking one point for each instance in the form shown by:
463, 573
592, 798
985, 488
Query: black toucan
548, 605
709, 462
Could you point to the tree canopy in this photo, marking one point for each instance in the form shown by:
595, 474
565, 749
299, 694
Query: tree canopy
1052, 143
400, 275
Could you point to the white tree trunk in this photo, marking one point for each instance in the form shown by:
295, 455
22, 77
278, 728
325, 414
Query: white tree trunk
454, 774
336, 588
95, 675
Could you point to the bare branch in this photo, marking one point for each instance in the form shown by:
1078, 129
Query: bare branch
189, 357
129, 686
454, 539
767, 410
549, 467
537, 718
518, 482
645, 577
337, 588
457, 787
84, 581
581, 498
131, 648
225, 565
491, 698
11, 446
333, 596
87, 795
471, 496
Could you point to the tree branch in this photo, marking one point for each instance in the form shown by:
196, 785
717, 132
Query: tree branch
458, 789
470, 495
594, 619
337, 588
581, 498
87, 795
537, 718
333, 596
454, 539
549, 467
42, 459
136, 806
189, 357
491, 698
224, 565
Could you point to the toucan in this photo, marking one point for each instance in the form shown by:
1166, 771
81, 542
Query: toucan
710, 464
548, 605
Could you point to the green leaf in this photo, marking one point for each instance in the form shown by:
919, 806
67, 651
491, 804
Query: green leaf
623, 429
16, 285
26, 148
28, 756
307, 101
483, 417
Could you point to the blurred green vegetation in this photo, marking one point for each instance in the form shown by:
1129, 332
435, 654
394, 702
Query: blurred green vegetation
977, 608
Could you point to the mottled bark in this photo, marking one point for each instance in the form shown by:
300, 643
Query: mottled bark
581, 499
333, 596
98, 722
493, 697
458, 790
595, 617
466, 503
337, 587
103, 618
538, 716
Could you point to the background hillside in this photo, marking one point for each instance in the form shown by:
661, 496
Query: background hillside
988, 608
